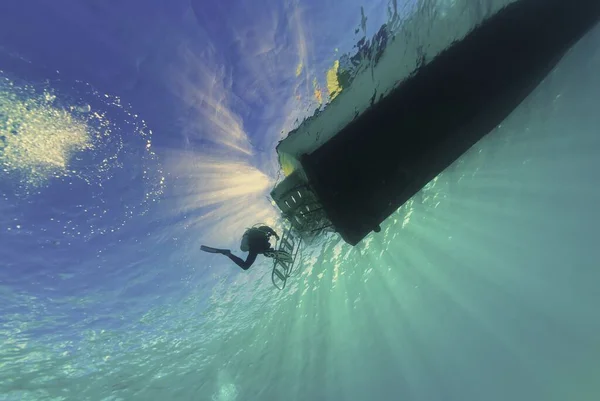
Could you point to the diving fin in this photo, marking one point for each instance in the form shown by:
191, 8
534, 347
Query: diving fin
212, 250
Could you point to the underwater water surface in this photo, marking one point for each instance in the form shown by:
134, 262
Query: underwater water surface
132, 133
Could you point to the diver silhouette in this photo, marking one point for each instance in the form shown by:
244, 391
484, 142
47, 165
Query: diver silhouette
255, 241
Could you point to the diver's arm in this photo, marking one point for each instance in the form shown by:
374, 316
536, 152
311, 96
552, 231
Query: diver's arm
244, 264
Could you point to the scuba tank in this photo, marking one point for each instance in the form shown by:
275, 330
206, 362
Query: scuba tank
254, 233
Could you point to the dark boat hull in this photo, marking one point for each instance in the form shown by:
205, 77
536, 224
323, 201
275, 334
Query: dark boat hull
386, 155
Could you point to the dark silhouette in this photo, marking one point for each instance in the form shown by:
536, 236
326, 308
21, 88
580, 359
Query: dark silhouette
255, 241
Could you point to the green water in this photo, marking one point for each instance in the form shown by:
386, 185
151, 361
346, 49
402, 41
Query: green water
483, 287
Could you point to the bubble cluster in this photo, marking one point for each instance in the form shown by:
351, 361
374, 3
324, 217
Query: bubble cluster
80, 161
37, 139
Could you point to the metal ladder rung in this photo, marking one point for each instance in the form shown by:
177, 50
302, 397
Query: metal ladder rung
280, 275
286, 245
285, 265
283, 269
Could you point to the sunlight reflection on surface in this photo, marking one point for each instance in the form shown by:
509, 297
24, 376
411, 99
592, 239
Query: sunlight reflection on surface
223, 197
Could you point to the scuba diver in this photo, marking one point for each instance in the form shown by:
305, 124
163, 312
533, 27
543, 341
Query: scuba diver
254, 241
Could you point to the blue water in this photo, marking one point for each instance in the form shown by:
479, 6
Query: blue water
132, 132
